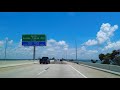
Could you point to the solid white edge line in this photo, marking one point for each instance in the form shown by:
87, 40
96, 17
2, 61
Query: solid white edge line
78, 71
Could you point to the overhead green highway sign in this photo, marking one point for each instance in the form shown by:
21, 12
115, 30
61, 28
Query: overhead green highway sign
34, 40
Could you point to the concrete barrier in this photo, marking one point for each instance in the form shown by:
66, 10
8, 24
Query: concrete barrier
103, 66
12, 65
15, 63
3, 62
115, 68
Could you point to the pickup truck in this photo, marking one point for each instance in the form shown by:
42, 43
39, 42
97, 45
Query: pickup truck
44, 60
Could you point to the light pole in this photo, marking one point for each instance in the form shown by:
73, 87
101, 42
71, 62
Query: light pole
66, 54
76, 49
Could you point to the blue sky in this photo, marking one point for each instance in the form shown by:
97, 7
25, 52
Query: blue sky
60, 26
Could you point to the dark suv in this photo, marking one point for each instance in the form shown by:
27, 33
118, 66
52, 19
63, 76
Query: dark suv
44, 60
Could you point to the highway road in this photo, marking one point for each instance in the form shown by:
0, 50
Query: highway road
53, 70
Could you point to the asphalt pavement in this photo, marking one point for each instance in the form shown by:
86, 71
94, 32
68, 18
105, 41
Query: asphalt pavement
56, 69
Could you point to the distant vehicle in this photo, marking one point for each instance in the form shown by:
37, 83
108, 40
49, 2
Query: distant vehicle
44, 60
62, 59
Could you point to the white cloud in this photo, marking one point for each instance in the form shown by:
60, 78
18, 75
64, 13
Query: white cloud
61, 43
92, 51
65, 48
105, 33
51, 42
82, 53
10, 42
50, 49
20, 43
83, 48
57, 45
114, 45
1, 43
53, 49
91, 42
85, 51
57, 49
89, 54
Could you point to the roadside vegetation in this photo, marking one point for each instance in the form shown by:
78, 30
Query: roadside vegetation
110, 58
93, 61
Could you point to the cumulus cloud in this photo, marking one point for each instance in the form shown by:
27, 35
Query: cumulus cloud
61, 43
51, 41
114, 45
53, 49
106, 31
1, 43
91, 42
10, 42
87, 54
57, 49
83, 53
104, 34
57, 45
20, 43
50, 49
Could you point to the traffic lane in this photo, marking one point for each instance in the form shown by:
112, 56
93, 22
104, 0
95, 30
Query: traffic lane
25, 71
68, 70
22, 71
57, 62
92, 73
60, 71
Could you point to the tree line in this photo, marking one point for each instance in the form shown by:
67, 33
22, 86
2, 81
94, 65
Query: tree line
110, 58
